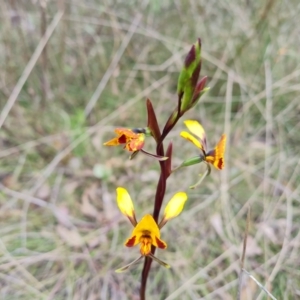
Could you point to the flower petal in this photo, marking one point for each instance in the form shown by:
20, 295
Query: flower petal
125, 204
129, 265
159, 243
159, 261
207, 172
133, 155
146, 225
196, 128
216, 156
136, 143
158, 157
126, 132
124, 136
132, 241
174, 206
113, 142
192, 139
147, 233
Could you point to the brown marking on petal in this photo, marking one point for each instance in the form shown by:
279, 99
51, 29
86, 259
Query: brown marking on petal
216, 156
160, 243
122, 139
221, 163
130, 242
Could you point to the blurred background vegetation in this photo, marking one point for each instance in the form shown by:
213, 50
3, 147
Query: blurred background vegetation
61, 234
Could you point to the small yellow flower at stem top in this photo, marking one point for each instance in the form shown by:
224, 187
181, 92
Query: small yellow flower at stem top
146, 232
215, 156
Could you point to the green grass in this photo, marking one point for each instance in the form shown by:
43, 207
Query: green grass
68, 242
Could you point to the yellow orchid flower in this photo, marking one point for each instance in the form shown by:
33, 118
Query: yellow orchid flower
215, 156
147, 232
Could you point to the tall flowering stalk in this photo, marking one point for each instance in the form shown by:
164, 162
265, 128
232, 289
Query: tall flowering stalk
146, 232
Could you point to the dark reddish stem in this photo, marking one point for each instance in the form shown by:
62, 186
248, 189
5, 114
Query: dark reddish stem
159, 196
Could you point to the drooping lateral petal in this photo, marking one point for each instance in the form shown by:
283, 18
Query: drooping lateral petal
175, 206
207, 172
158, 157
125, 204
159, 261
134, 154
196, 128
216, 156
129, 265
192, 139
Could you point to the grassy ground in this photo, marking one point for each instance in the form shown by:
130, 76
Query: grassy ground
61, 234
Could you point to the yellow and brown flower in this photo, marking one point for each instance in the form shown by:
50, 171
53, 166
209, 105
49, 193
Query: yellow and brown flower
146, 232
215, 156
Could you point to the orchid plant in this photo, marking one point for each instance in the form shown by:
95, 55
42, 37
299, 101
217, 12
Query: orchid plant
146, 232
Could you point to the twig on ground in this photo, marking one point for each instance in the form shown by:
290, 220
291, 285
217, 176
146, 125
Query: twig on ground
243, 255
259, 284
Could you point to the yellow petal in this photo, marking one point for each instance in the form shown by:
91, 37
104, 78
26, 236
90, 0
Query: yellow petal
175, 206
147, 233
159, 243
136, 143
196, 128
125, 203
190, 138
124, 135
216, 156
147, 226
128, 133
113, 142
